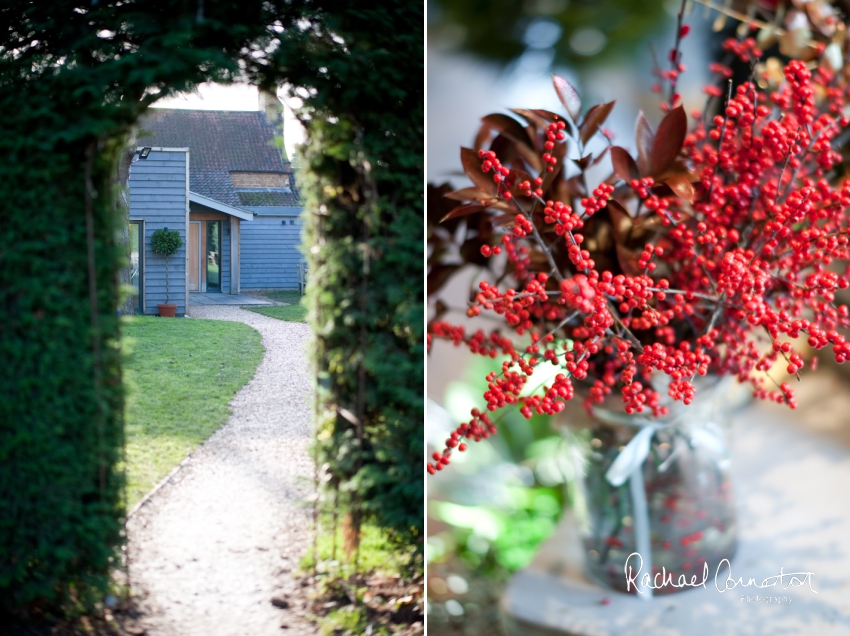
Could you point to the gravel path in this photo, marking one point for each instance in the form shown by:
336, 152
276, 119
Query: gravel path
211, 548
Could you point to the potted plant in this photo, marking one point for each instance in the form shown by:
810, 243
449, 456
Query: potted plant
166, 242
717, 249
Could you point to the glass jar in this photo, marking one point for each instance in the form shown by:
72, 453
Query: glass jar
677, 511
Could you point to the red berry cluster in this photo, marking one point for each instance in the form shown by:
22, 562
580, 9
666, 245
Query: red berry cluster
737, 277
599, 200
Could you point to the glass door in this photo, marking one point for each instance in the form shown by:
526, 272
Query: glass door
213, 256
136, 273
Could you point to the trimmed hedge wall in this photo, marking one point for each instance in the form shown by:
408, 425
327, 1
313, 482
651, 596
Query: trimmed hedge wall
364, 243
68, 100
61, 426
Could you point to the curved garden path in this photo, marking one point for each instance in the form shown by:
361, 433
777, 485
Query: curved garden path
211, 548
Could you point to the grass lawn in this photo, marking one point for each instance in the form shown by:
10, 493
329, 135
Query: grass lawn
181, 374
293, 312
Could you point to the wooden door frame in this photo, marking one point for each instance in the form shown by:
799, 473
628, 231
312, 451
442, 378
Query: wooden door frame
202, 218
201, 281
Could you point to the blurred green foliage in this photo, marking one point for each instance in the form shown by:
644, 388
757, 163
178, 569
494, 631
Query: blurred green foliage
578, 32
504, 496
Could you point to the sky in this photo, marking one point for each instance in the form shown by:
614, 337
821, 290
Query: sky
212, 96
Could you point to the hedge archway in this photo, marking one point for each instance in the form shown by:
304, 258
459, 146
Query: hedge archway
75, 78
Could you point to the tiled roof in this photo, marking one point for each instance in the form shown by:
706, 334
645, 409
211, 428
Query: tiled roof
263, 197
221, 142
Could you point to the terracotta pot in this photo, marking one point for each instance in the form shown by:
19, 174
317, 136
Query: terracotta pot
167, 310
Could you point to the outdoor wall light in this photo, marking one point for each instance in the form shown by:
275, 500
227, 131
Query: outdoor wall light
145, 152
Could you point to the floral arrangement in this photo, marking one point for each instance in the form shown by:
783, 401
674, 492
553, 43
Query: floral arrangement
718, 247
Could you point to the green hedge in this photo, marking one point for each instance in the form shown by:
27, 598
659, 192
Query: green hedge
68, 99
363, 241
61, 426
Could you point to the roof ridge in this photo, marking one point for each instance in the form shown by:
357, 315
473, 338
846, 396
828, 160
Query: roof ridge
202, 110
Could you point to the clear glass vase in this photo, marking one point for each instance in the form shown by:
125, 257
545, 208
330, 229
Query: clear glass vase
677, 512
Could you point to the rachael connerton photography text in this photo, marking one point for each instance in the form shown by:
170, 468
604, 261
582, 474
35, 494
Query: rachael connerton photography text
784, 579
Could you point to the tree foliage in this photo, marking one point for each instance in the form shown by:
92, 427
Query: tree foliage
74, 78
364, 220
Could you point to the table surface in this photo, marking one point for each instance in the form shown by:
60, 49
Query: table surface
792, 479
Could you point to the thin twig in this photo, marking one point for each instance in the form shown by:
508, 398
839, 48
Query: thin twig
676, 57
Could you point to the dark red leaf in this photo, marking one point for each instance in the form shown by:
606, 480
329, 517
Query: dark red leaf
643, 138
515, 178
595, 117
559, 152
621, 223
619, 213
568, 96
508, 126
503, 220
483, 136
628, 261
540, 118
440, 308
573, 188
669, 139
469, 194
501, 204
681, 186
624, 166
439, 275
536, 123
463, 210
549, 116
472, 167
508, 151
583, 162
600, 156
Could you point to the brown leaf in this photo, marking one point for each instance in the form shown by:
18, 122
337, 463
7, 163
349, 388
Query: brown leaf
643, 138
472, 167
574, 187
583, 162
483, 136
624, 166
503, 220
508, 126
669, 139
541, 119
652, 223
568, 96
681, 186
531, 117
501, 204
515, 178
463, 210
508, 151
628, 261
600, 156
439, 275
440, 308
618, 211
621, 221
595, 117
469, 194
549, 116
559, 152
